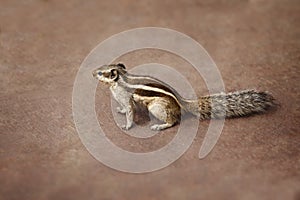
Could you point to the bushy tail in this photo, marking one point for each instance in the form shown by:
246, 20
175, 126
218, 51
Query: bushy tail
235, 104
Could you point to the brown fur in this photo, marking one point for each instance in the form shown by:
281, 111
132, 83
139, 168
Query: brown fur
163, 102
236, 104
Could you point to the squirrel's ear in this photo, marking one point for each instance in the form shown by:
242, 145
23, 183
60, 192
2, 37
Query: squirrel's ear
121, 65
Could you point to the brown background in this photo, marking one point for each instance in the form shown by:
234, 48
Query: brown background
255, 44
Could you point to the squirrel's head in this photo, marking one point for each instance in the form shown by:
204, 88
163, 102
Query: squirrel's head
109, 73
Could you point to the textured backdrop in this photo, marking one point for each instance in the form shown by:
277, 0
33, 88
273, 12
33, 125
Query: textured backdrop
255, 44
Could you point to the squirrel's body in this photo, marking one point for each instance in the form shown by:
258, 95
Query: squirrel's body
164, 103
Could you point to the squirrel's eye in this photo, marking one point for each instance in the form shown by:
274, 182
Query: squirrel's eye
99, 73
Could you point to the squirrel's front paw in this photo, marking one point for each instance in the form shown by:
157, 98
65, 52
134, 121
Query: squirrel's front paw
126, 127
121, 110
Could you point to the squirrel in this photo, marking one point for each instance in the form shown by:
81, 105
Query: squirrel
165, 104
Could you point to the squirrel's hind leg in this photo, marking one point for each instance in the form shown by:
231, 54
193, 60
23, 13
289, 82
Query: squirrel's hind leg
160, 109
